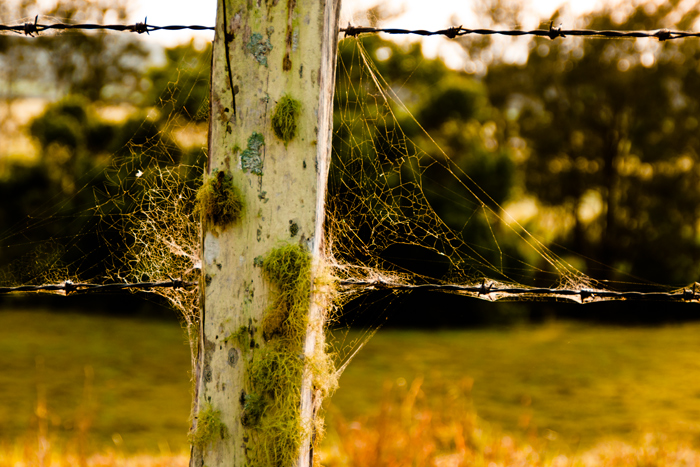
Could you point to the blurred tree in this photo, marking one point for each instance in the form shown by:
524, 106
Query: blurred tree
611, 129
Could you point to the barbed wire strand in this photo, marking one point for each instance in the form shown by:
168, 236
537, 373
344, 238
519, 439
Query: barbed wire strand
485, 289
69, 287
29, 29
552, 32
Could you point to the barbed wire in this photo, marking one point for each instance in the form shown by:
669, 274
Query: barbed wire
29, 29
69, 287
486, 289
552, 32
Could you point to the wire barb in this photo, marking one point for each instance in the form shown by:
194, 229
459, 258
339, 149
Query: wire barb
554, 33
140, 28
30, 28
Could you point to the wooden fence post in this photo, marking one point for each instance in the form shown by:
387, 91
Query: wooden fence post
262, 203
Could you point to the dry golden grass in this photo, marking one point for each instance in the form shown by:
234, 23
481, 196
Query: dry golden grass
38, 455
409, 431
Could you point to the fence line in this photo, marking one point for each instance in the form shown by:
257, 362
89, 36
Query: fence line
68, 287
485, 289
71, 287
552, 32
29, 29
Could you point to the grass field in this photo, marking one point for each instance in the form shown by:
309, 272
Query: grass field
106, 381
122, 384
578, 383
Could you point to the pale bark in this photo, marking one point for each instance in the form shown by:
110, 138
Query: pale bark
274, 48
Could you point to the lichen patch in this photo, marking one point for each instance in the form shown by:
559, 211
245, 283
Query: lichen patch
251, 158
209, 429
259, 48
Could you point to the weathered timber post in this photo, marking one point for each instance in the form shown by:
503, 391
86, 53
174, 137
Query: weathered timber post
260, 352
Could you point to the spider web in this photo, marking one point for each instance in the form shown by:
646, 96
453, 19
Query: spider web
135, 214
383, 189
157, 184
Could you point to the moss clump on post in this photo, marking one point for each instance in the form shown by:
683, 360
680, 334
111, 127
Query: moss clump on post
218, 200
289, 268
284, 119
276, 376
275, 373
210, 428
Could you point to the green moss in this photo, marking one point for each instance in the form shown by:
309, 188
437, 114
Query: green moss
284, 119
210, 428
218, 199
271, 409
289, 268
275, 373
251, 158
275, 376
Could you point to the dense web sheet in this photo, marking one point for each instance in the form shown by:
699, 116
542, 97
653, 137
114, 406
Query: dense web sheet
164, 232
382, 223
158, 184
131, 216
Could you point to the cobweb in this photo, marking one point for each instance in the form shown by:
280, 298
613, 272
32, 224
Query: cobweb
130, 217
383, 226
150, 197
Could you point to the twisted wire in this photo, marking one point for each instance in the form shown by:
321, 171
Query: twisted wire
483, 290
552, 32
29, 29
32, 28
70, 287
486, 290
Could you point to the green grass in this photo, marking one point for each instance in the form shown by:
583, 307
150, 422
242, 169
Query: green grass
584, 383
